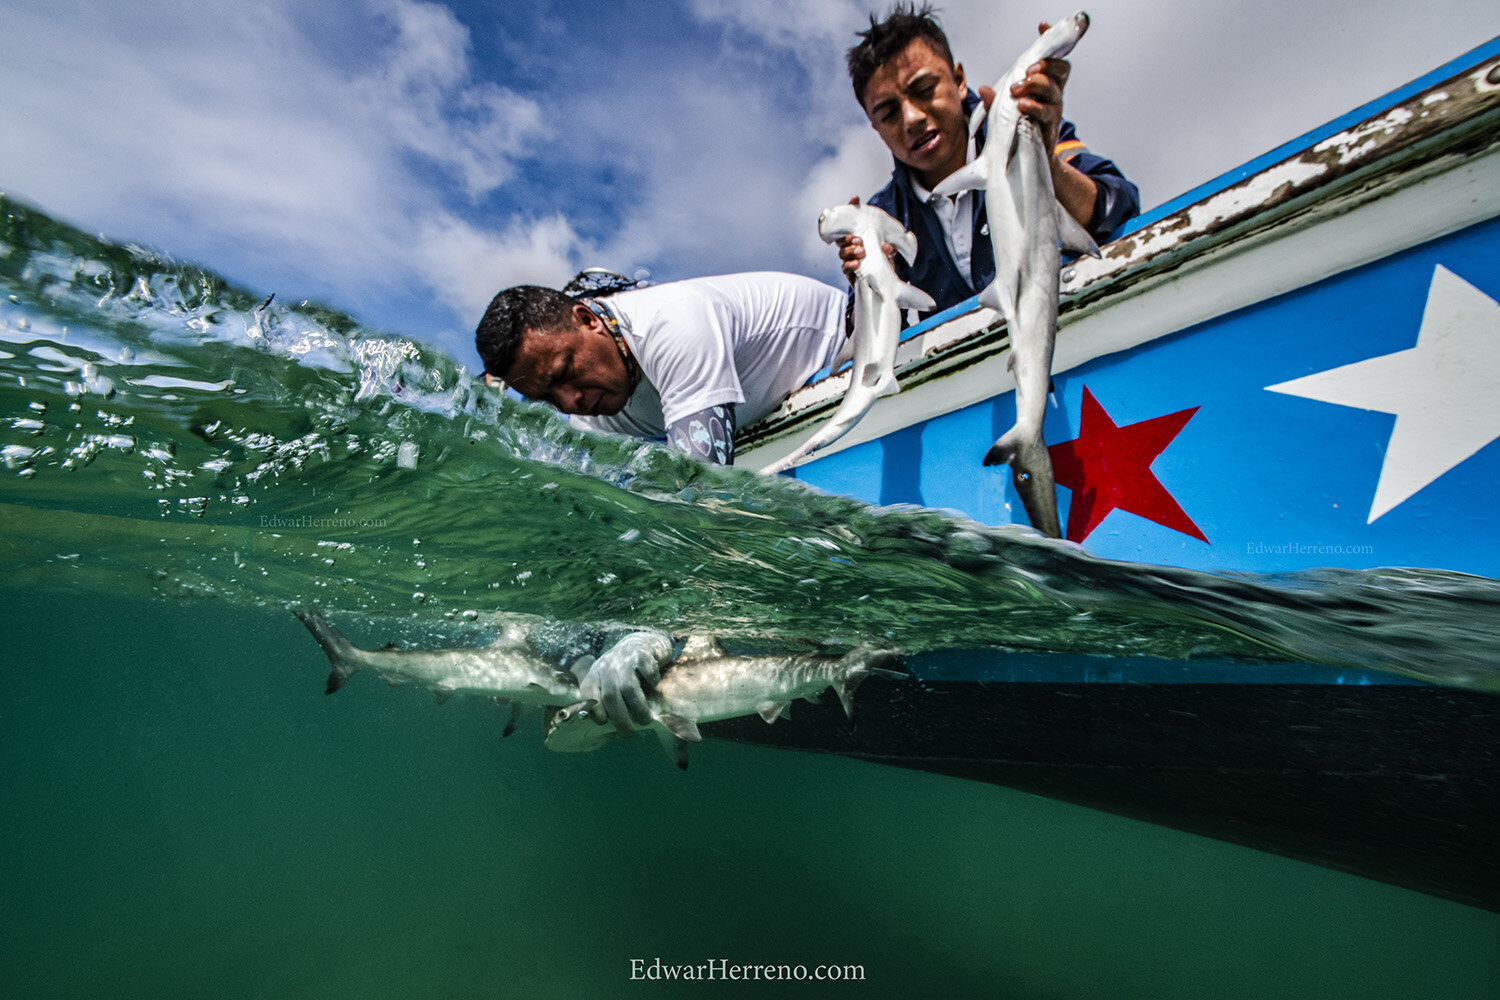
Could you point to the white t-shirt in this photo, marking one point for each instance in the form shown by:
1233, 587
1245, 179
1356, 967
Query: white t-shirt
747, 339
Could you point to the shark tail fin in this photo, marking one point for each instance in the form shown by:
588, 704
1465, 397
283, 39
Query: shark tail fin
338, 648
861, 663
824, 435
1074, 238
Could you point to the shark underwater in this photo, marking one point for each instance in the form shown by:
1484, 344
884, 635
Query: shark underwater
879, 297
705, 683
1027, 225
508, 670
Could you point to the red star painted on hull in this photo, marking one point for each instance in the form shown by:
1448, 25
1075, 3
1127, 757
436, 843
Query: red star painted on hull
1109, 467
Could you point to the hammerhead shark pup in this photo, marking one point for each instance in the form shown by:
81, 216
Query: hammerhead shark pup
879, 297
1026, 227
508, 670
705, 683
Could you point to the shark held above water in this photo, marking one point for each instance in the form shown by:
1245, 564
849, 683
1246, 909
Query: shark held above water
879, 297
1027, 225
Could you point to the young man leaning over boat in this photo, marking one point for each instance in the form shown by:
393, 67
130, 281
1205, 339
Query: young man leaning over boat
917, 99
684, 362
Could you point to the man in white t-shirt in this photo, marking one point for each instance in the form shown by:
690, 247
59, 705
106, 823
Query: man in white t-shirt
685, 362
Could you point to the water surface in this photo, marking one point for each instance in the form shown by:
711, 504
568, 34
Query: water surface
185, 812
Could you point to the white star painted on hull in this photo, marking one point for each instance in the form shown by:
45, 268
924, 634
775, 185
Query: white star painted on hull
1445, 392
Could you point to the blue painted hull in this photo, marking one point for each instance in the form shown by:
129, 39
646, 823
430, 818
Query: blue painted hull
1294, 366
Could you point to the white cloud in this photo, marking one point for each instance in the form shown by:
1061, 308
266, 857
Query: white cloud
233, 139
358, 152
424, 90
858, 167
468, 265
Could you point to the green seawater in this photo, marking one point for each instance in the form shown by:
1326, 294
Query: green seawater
185, 813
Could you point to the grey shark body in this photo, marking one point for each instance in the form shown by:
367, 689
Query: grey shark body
706, 684
508, 670
879, 297
1027, 226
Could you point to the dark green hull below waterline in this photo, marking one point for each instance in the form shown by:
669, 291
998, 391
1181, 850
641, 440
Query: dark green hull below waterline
1398, 783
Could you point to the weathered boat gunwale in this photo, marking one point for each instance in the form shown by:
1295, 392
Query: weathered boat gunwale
1443, 128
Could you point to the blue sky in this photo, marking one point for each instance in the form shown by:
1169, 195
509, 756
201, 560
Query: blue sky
402, 160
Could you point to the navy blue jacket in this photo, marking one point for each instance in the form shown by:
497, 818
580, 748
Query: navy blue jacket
936, 273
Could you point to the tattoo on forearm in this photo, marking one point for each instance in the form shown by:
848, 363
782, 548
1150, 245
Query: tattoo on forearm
707, 435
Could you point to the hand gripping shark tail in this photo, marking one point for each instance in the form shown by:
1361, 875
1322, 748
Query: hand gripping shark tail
879, 298
1027, 225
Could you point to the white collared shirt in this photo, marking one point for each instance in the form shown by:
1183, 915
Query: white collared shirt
956, 213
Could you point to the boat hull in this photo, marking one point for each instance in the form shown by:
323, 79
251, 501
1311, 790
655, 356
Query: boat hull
1290, 769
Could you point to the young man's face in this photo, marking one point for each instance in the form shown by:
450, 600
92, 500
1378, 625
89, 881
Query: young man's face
577, 369
915, 101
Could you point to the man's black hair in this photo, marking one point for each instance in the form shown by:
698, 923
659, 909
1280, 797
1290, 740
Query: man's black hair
511, 315
887, 38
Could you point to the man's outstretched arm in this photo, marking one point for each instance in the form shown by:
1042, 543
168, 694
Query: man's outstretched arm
707, 435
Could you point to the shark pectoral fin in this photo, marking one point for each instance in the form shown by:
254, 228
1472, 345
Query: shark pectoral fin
912, 297
992, 297
681, 727
773, 710
676, 750
1074, 238
969, 177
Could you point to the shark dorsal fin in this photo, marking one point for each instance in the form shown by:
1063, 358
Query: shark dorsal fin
701, 647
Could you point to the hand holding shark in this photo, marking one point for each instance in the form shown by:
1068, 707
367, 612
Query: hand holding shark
1027, 225
879, 297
